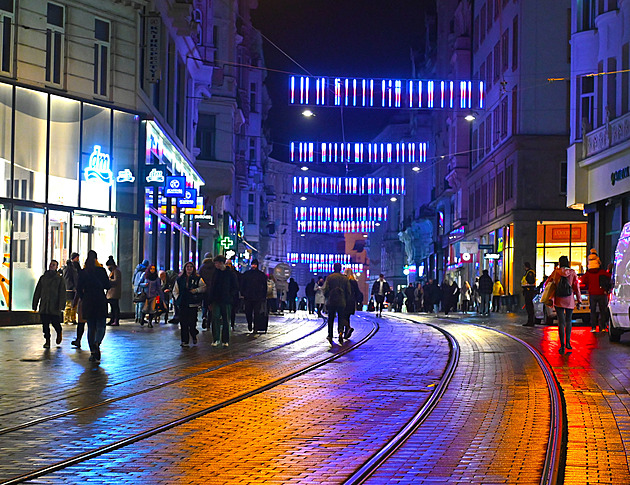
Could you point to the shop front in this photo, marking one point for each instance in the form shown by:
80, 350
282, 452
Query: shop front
64, 162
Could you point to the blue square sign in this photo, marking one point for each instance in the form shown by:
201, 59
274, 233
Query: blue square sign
189, 199
175, 186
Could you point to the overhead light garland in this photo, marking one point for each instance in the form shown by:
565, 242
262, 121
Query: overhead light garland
357, 152
307, 258
349, 185
341, 214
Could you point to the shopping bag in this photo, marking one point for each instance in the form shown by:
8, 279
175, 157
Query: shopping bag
548, 293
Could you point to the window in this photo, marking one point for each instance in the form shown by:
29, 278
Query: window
484, 199
497, 9
586, 15
473, 148
497, 61
206, 136
586, 105
54, 43
476, 34
496, 124
625, 78
471, 206
482, 140
490, 14
499, 189
180, 118
252, 149
600, 94
514, 110
504, 117
509, 182
198, 24
505, 50
101, 57
478, 203
482, 20
563, 177
515, 43
611, 89
7, 18
491, 193
251, 209
482, 71
489, 71
488, 133
253, 103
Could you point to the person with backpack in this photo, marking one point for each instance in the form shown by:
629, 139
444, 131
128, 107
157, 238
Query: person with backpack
528, 284
337, 290
564, 300
597, 282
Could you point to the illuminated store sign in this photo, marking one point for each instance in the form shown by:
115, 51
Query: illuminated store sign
308, 258
327, 214
125, 176
349, 185
385, 93
175, 186
336, 152
156, 176
226, 242
189, 199
98, 166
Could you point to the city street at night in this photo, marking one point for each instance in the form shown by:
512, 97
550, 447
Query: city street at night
410, 398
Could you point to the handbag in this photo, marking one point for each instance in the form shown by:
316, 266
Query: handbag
139, 296
548, 293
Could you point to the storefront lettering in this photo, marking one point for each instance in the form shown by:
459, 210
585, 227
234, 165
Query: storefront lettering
624, 173
155, 145
125, 176
155, 176
98, 166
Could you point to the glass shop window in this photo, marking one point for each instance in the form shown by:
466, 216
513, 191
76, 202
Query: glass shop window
64, 151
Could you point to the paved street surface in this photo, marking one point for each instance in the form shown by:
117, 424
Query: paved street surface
491, 425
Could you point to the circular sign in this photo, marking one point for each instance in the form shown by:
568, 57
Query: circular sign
174, 184
282, 271
467, 257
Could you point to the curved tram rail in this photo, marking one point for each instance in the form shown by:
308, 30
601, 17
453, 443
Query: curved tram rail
185, 419
552, 457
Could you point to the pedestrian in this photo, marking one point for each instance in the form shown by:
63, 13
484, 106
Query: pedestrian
485, 292
466, 296
206, 271
154, 294
528, 284
138, 284
427, 296
597, 282
93, 282
567, 295
254, 291
400, 299
351, 305
320, 299
167, 290
380, 288
236, 303
497, 293
310, 296
448, 296
115, 291
292, 294
417, 297
50, 297
476, 297
337, 292
224, 288
189, 292
71, 279
410, 293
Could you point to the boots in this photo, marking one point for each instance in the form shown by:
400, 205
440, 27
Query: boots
47, 343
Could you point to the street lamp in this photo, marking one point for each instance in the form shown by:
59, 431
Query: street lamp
393, 199
308, 113
304, 169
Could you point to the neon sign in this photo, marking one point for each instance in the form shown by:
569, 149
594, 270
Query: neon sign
385, 93
175, 186
189, 199
155, 176
125, 176
349, 185
226, 242
336, 152
98, 166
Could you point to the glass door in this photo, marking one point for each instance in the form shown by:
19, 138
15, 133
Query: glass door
59, 236
81, 232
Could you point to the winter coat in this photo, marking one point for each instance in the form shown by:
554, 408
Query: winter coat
115, 278
497, 289
224, 287
566, 301
254, 285
337, 290
293, 290
91, 290
320, 299
153, 288
50, 294
271, 289
309, 291
590, 279
376, 285
184, 287
206, 270
485, 285
138, 278
410, 293
354, 297
71, 275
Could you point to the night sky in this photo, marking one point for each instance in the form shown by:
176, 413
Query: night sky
335, 38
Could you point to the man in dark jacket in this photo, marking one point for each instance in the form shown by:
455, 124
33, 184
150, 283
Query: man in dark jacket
410, 293
485, 291
310, 296
71, 278
206, 271
337, 291
224, 288
380, 289
50, 295
254, 291
292, 294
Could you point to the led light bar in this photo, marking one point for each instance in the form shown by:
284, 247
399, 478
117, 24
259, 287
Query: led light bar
336, 226
357, 268
308, 258
341, 214
385, 93
335, 152
349, 185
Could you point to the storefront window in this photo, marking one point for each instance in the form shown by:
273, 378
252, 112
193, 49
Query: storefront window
59, 236
162, 249
124, 162
6, 121
27, 252
30, 145
105, 237
96, 183
63, 181
555, 240
5, 268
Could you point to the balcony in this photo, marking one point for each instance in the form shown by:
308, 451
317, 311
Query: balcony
607, 136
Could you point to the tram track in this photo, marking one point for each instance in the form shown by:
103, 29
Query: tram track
552, 460
121, 443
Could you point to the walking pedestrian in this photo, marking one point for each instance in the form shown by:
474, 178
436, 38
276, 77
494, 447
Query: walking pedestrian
93, 282
310, 296
153, 290
236, 302
272, 295
189, 292
254, 291
351, 305
380, 288
566, 297
410, 294
597, 282
485, 291
71, 279
427, 296
292, 294
138, 283
417, 297
497, 293
466, 296
167, 290
528, 284
115, 291
224, 288
206, 270
337, 291
400, 299
320, 299
50, 297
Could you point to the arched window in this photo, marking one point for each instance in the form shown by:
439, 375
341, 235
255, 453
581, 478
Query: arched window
197, 21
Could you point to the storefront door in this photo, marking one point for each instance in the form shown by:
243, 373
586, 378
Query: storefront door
59, 236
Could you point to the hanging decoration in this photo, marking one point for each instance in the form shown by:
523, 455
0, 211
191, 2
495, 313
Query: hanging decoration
336, 152
349, 185
308, 258
341, 214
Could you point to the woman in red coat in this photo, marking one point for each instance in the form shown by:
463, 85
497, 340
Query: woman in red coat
565, 303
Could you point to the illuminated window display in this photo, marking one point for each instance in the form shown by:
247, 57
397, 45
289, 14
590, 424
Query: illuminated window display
560, 239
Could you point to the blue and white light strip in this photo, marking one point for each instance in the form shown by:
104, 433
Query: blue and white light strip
336, 226
332, 214
385, 93
335, 152
308, 258
349, 185
357, 268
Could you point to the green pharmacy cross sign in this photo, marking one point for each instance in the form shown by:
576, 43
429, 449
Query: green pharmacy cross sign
226, 242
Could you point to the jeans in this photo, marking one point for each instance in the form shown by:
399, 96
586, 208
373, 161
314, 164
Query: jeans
311, 304
380, 302
341, 314
188, 323
599, 302
528, 295
47, 320
565, 325
485, 303
139, 315
115, 308
96, 332
221, 330
251, 308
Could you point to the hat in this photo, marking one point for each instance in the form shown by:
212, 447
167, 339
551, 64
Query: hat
207, 256
219, 259
145, 262
74, 255
593, 261
254, 262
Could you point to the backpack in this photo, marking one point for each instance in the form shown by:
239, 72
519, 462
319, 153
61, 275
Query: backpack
563, 288
605, 283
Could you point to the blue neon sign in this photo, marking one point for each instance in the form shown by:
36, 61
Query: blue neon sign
175, 186
189, 199
99, 166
